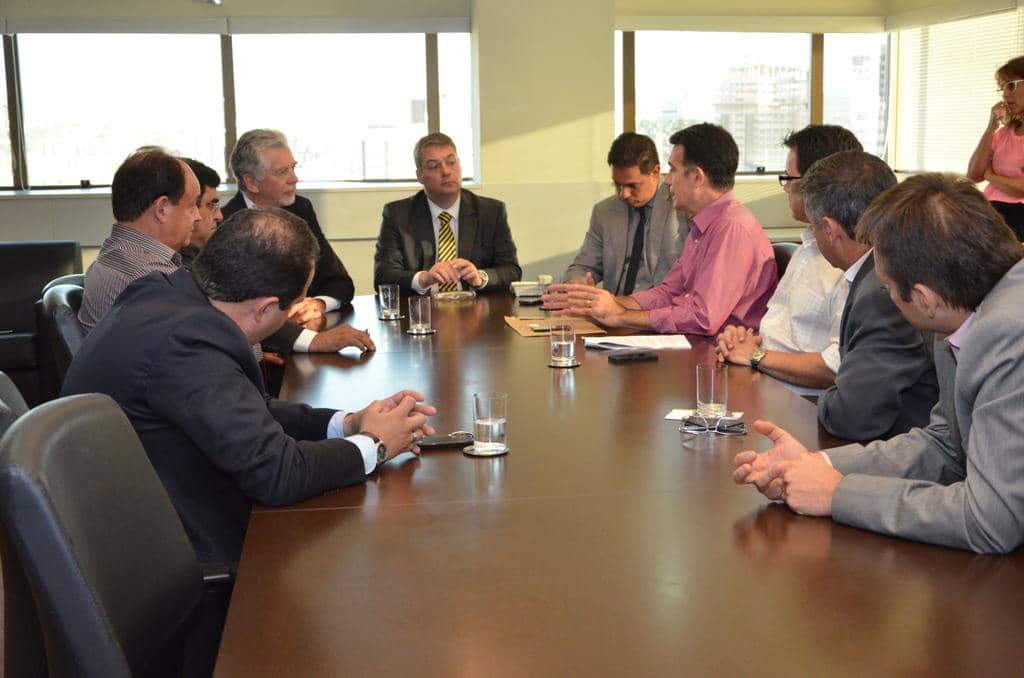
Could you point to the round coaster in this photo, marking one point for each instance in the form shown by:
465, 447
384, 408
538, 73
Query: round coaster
565, 367
397, 317
470, 451
421, 332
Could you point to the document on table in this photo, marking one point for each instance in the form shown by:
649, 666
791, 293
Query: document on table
654, 341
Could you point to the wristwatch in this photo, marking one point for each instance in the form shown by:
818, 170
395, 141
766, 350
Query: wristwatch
382, 450
757, 356
484, 279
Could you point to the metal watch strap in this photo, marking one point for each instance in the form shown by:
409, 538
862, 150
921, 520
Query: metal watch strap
382, 450
756, 357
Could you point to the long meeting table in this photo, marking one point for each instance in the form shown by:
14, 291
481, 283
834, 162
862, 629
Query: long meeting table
603, 543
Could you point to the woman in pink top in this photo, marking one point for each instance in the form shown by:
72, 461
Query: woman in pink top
999, 157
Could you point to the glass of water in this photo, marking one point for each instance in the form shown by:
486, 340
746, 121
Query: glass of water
419, 315
490, 425
563, 346
712, 391
389, 302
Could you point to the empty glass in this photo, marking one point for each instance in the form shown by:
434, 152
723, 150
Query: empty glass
390, 308
419, 315
712, 391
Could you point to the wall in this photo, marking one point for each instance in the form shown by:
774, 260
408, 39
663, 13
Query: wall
544, 73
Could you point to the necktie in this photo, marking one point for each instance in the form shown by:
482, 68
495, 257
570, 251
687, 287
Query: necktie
446, 247
637, 254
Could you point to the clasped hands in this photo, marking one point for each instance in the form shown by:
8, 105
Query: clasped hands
452, 271
399, 421
735, 344
805, 480
584, 299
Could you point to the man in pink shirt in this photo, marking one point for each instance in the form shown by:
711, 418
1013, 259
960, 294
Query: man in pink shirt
727, 271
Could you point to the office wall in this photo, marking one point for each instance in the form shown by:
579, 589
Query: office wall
544, 74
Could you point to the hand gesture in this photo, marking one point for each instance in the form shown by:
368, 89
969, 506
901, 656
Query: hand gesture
753, 468
735, 344
399, 421
307, 309
588, 301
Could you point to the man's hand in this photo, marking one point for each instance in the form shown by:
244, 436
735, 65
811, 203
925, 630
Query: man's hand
340, 337
452, 271
308, 309
399, 421
808, 483
753, 468
735, 344
588, 301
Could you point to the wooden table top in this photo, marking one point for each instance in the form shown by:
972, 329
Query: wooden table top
603, 543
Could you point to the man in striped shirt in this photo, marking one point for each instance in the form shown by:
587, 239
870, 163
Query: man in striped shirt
154, 197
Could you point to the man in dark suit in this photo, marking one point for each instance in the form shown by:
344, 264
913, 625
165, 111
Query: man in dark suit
174, 352
886, 382
444, 237
265, 169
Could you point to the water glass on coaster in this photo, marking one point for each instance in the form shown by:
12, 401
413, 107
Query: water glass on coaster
390, 304
419, 315
563, 346
490, 425
712, 392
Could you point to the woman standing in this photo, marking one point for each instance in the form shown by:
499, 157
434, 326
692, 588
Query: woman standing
999, 157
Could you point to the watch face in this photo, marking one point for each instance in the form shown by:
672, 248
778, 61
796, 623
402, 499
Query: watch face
382, 453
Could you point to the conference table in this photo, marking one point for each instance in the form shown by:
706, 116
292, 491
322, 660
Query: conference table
604, 543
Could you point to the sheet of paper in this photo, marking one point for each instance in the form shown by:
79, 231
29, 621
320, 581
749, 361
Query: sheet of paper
655, 341
523, 325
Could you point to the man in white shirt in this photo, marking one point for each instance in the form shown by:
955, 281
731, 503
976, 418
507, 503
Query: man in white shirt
804, 313
444, 238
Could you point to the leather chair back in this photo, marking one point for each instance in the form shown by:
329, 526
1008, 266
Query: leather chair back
69, 279
110, 567
783, 253
12, 405
62, 333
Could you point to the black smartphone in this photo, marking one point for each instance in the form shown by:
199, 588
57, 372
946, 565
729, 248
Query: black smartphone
631, 355
453, 439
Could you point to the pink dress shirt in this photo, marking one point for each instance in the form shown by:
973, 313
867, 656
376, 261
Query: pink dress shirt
725, 276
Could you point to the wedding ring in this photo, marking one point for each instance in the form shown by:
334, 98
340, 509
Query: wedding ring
589, 303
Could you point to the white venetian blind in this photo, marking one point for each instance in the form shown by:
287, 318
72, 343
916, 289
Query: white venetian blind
946, 88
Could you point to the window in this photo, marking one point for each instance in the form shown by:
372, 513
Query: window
756, 85
947, 87
6, 170
454, 65
856, 86
125, 91
352, 105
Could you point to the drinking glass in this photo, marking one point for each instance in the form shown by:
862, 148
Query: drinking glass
419, 315
490, 425
390, 308
563, 346
712, 391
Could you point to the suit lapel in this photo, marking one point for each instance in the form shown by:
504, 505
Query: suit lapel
467, 225
423, 231
661, 210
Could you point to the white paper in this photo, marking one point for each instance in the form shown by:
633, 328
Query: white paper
656, 341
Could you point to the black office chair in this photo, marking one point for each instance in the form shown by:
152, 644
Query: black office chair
783, 253
108, 562
12, 405
62, 335
69, 279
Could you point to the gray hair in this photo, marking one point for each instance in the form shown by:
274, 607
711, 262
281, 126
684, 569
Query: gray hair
842, 185
247, 156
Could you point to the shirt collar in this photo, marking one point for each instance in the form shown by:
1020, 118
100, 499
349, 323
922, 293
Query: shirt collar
435, 211
248, 202
851, 273
145, 241
707, 216
956, 340
807, 236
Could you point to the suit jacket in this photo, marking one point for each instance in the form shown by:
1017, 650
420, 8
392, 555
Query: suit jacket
406, 243
606, 246
886, 381
330, 278
956, 482
185, 376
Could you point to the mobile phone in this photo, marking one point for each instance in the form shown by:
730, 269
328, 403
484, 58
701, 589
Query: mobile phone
537, 327
631, 355
453, 439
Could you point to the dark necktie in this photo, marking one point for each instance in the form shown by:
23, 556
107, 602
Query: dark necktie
636, 256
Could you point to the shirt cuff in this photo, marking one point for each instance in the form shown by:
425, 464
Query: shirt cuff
336, 426
827, 458
831, 357
367, 448
419, 289
303, 341
330, 303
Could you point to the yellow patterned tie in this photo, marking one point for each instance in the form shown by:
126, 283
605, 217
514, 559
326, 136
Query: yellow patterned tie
446, 247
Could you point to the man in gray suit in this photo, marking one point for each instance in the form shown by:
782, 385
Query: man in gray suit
886, 380
444, 238
953, 267
635, 235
